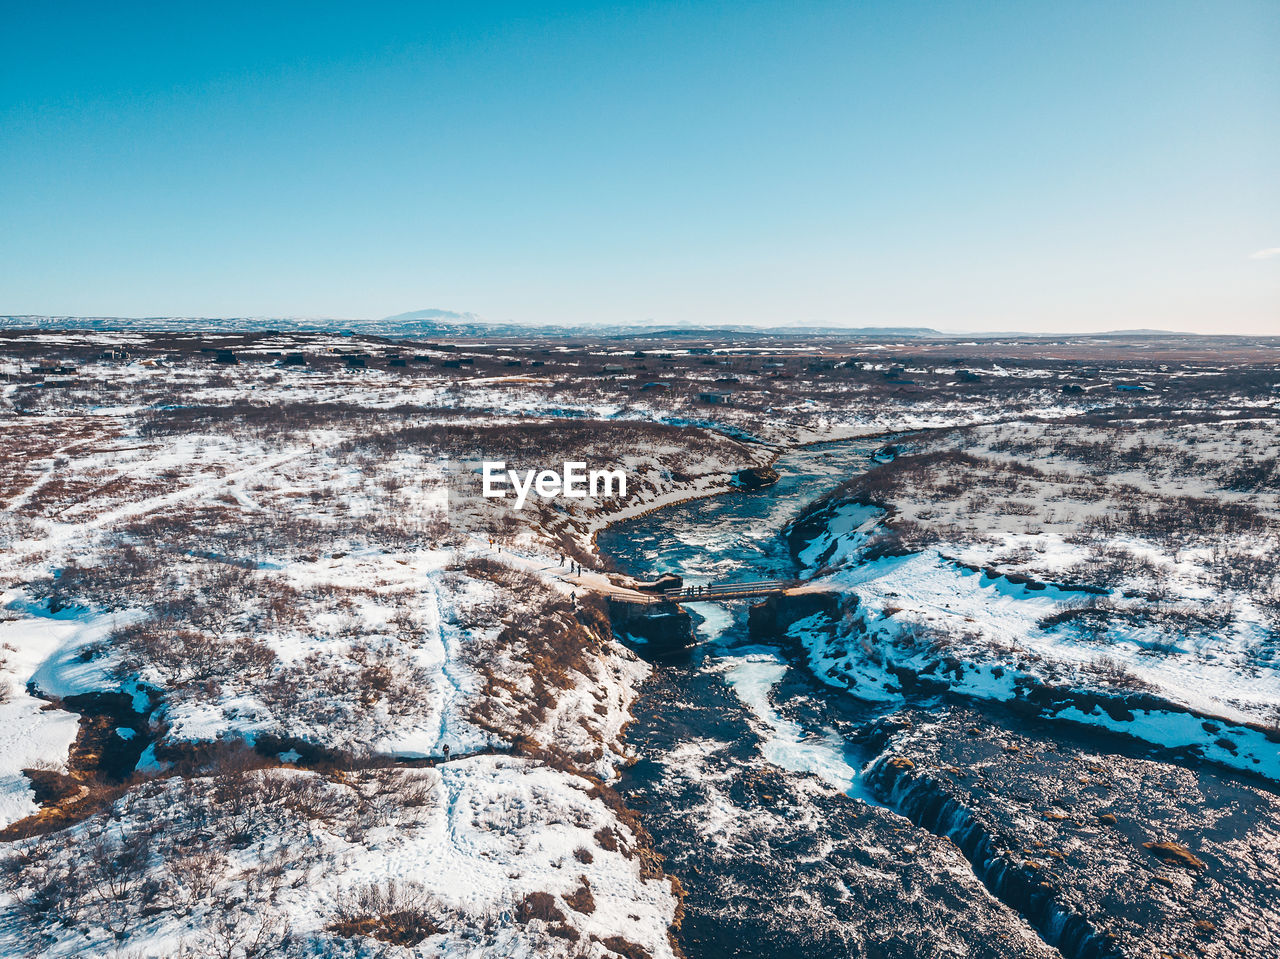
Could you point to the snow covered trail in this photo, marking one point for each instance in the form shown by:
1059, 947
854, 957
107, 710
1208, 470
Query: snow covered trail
21, 499
452, 689
57, 535
196, 490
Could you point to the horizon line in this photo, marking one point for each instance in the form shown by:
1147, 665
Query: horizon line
446, 318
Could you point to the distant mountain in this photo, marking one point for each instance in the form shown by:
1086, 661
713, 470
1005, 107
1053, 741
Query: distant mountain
439, 316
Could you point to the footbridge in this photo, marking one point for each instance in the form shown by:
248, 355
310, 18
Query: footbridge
660, 620
711, 593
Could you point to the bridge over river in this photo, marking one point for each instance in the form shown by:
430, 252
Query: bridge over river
607, 586
712, 592
659, 619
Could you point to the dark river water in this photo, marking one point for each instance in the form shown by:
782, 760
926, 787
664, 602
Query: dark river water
747, 774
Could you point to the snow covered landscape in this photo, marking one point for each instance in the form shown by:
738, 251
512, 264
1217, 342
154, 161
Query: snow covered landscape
640, 480
1135, 561
279, 680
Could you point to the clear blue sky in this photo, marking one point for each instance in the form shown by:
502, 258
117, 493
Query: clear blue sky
1083, 165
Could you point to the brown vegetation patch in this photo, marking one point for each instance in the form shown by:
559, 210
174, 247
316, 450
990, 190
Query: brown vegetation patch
397, 928
1173, 854
625, 948
539, 906
400, 913
581, 900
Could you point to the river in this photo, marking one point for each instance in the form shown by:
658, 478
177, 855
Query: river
747, 773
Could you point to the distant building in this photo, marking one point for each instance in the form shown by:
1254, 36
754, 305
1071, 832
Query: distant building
614, 370
656, 386
225, 356
716, 399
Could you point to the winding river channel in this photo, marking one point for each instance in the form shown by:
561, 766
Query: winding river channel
748, 774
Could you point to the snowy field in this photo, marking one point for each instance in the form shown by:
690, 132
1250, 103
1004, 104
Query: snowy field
1135, 559
276, 679
304, 597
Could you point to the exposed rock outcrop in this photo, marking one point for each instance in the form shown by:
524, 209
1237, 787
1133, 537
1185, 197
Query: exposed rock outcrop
774, 616
663, 627
756, 477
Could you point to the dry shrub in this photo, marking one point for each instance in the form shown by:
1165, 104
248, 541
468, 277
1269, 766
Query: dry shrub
188, 657
539, 906
401, 913
68, 879
626, 948
192, 876
1116, 674
581, 900
246, 936
607, 839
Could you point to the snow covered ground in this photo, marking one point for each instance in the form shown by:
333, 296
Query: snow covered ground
297, 595
288, 571
1000, 572
473, 842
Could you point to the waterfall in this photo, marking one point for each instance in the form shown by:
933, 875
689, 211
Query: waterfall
927, 804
